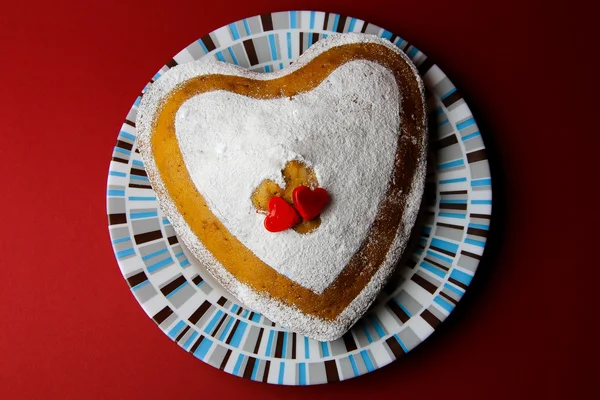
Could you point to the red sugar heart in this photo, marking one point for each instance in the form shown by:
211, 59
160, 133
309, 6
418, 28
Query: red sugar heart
309, 203
281, 215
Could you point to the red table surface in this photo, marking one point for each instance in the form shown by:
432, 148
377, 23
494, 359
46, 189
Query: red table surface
71, 328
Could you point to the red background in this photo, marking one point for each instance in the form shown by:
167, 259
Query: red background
71, 328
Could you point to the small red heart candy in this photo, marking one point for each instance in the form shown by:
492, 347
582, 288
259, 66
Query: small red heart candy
310, 203
281, 215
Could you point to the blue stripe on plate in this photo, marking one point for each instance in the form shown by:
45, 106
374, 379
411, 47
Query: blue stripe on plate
432, 269
115, 192
156, 266
471, 136
465, 124
145, 214
442, 244
450, 164
461, 277
302, 374
124, 253
447, 306
176, 329
475, 242
234, 31
239, 333
452, 215
455, 180
154, 254
127, 135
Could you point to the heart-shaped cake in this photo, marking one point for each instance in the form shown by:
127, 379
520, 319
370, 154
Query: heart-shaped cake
339, 140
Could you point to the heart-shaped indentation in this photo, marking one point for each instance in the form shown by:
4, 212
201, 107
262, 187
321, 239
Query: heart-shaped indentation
281, 215
295, 174
310, 203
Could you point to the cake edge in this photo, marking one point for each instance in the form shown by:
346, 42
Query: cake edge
295, 320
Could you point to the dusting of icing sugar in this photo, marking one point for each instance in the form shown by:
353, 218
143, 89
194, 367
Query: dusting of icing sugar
290, 317
346, 129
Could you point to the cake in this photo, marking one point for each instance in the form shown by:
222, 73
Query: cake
297, 189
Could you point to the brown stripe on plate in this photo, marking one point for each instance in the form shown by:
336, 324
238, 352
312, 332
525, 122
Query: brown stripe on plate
197, 279
138, 172
124, 145
457, 227
130, 123
430, 318
331, 371
457, 283
117, 159
237, 322
472, 255
251, 315
222, 301
341, 23
182, 334
223, 318
425, 284
435, 263
195, 317
163, 314
173, 240
453, 98
450, 192
425, 66
325, 21
116, 219
267, 22
239, 311
249, 367
484, 216
250, 51
364, 28
136, 279
266, 373
450, 299
138, 186
208, 43
393, 37
147, 237
293, 345
279, 345
300, 36
225, 359
315, 38
394, 347
173, 285
451, 206
398, 311
171, 63
475, 156
137, 150
439, 250
445, 142
195, 345
257, 345
477, 232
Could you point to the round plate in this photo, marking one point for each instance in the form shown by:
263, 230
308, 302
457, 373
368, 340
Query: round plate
203, 319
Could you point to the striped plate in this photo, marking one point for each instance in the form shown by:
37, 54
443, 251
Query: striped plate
196, 313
